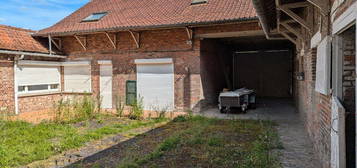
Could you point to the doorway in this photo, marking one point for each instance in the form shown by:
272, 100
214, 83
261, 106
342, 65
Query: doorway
345, 87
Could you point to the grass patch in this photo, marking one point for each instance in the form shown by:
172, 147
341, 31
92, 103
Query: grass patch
210, 143
22, 143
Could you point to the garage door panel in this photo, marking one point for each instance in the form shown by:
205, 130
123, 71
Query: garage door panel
155, 69
155, 86
77, 78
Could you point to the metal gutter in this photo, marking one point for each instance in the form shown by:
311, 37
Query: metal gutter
31, 54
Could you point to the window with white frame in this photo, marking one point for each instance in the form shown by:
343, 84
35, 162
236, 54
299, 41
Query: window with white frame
38, 79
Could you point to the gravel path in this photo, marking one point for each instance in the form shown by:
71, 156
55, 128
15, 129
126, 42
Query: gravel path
298, 149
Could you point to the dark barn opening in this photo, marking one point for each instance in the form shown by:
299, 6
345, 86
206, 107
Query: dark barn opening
265, 66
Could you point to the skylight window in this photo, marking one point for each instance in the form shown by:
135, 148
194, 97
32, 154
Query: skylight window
196, 2
94, 17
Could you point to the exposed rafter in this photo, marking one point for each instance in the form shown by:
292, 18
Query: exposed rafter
296, 5
189, 33
286, 35
292, 30
112, 41
57, 44
136, 37
80, 42
296, 17
288, 21
323, 5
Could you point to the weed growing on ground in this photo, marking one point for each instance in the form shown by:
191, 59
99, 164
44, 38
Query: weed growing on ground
76, 109
180, 118
119, 105
213, 142
137, 110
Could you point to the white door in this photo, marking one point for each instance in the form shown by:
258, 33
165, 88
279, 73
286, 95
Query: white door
106, 75
338, 143
155, 86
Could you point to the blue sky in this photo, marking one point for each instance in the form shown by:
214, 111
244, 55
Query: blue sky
36, 14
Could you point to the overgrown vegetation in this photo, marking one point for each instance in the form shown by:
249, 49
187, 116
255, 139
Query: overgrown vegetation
22, 143
210, 143
119, 105
76, 109
137, 110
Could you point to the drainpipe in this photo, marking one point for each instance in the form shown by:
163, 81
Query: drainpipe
16, 98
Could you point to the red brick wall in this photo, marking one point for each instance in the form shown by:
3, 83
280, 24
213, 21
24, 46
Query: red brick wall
349, 69
38, 103
314, 108
166, 43
6, 84
214, 59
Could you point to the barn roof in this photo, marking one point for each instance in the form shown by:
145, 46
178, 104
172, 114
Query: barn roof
17, 39
150, 14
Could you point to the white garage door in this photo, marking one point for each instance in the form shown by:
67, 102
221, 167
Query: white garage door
77, 79
155, 85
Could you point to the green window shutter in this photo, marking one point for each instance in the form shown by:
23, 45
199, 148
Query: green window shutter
130, 92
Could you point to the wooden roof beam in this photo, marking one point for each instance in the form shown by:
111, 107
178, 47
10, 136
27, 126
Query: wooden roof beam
58, 45
286, 35
296, 5
80, 42
189, 33
112, 41
296, 17
288, 21
136, 37
323, 5
292, 30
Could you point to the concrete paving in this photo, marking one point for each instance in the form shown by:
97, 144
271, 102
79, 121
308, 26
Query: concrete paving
298, 149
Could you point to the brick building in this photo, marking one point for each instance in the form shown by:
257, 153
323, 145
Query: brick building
102, 51
324, 34
178, 55
16, 44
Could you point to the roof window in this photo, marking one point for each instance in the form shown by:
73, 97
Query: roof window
94, 17
196, 2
